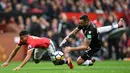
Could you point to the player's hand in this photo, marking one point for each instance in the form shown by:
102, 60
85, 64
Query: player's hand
67, 49
5, 64
17, 68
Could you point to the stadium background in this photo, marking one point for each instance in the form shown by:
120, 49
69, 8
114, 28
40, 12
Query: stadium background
56, 18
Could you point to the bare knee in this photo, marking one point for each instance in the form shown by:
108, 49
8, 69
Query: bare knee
80, 61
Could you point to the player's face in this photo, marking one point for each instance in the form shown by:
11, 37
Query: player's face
23, 38
84, 23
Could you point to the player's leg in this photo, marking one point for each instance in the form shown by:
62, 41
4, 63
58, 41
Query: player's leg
85, 59
80, 60
38, 53
111, 27
87, 62
51, 50
67, 61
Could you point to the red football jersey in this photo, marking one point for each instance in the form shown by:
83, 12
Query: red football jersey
36, 42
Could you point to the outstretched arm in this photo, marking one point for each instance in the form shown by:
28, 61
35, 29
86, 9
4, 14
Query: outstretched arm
84, 46
13, 53
29, 54
73, 32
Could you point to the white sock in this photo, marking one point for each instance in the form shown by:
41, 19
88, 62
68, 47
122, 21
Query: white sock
87, 62
115, 25
104, 29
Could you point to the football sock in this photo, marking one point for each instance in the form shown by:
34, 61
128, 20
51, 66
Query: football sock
65, 61
87, 62
107, 28
115, 26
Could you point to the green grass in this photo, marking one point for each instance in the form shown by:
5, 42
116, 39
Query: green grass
48, 67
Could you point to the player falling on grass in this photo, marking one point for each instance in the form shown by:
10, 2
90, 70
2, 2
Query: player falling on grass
39, 45
91, 43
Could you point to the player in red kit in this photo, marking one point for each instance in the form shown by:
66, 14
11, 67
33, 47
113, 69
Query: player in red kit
40, 45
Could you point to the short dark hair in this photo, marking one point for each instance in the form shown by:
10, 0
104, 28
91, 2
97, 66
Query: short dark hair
23, 32
84, 17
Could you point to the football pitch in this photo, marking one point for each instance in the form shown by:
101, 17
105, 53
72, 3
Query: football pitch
48, 67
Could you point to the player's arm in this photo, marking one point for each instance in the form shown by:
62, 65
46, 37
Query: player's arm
13, 53
71, 33
29, 54
84, 46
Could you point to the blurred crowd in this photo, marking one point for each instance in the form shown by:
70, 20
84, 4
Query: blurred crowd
55, 25
57, 6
